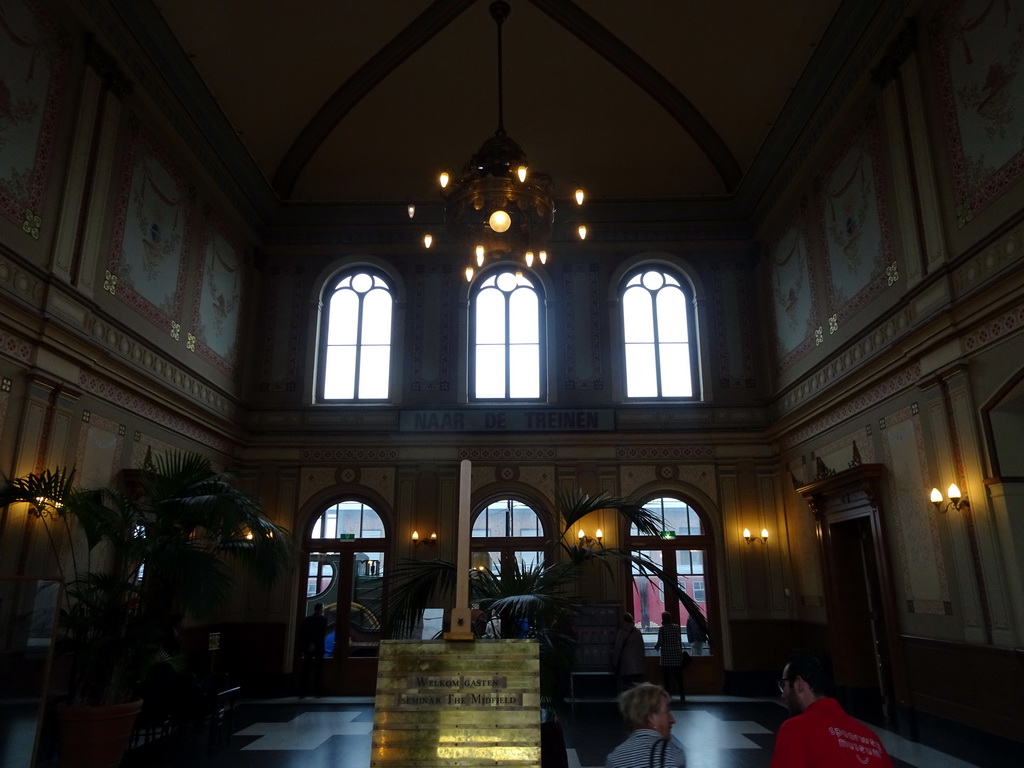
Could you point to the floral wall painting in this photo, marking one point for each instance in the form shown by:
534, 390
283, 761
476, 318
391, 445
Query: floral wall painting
793, 296
153, 220
854, 225
33, 68
218, 301
978, 47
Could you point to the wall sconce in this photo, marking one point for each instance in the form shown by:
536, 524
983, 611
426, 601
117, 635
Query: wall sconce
417, 540
585, 541
763, 538
956, 501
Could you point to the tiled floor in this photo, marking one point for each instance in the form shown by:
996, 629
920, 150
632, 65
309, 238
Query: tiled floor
717, 731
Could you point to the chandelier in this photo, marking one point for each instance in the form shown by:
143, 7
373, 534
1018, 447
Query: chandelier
498, 208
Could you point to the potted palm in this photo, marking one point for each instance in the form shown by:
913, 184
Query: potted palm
130, 558
541, 601
543, 598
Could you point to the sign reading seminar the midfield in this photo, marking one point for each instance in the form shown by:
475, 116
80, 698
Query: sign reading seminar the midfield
509, 420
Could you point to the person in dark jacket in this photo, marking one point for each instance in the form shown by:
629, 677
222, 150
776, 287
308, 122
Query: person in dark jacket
312, 633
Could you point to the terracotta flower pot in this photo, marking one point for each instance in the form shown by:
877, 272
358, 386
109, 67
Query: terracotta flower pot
95, 737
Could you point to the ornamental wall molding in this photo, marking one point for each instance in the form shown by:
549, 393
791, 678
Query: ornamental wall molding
177, 378
850, 359
883, 390
128, 400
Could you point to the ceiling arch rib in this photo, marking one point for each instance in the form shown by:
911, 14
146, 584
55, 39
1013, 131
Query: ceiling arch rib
625, 59
435, 18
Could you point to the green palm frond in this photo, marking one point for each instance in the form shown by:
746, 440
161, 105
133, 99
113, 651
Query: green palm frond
573, 505
415, 585
534, 597
644, 565
166, 543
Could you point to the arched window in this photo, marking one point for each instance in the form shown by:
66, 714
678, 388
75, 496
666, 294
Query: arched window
505, 531
506, 337
683, 552
658, 334
346, 547
356, 351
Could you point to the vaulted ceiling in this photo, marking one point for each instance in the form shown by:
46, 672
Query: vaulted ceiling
336, 101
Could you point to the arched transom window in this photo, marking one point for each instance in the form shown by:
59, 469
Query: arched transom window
658, 334
356, 353
506, 337
505, 531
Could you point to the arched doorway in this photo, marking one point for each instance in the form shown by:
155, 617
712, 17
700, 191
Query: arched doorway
346, 554
685, 553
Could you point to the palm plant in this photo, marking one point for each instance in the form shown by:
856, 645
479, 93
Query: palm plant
132, 558
539, 601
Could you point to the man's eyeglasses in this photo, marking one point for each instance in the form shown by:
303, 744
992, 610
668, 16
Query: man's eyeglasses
781, 682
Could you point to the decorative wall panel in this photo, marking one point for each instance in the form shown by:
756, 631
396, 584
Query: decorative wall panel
854, 224
793, 293
217, 305
34, 57
100, 451
977, 47
151, 231
915, 523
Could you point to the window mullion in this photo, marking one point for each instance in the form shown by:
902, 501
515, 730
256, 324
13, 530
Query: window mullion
508, 346
359, 343
657, 345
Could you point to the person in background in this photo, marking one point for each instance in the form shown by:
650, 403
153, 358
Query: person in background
670, 645
645, 708
312, 635
628, 653
695, 636
819, 734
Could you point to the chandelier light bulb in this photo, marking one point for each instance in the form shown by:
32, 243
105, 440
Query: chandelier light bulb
953, 492
936, 497
428, 239
521, 172
469, 274
529, 258
582, 231
543, 255
411, 209
479, 255
500, 221
746, 533
443, 178
579, 196
764, 533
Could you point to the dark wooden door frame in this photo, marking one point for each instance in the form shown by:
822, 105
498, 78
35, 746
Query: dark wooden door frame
855, 494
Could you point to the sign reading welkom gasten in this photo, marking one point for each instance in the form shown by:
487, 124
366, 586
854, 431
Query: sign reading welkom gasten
465, 704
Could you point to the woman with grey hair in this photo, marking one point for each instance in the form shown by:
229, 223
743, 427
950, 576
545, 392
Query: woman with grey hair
645, 708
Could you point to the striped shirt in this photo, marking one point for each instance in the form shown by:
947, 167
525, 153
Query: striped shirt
644, 749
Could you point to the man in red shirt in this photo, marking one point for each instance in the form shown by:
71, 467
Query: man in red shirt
820, 734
